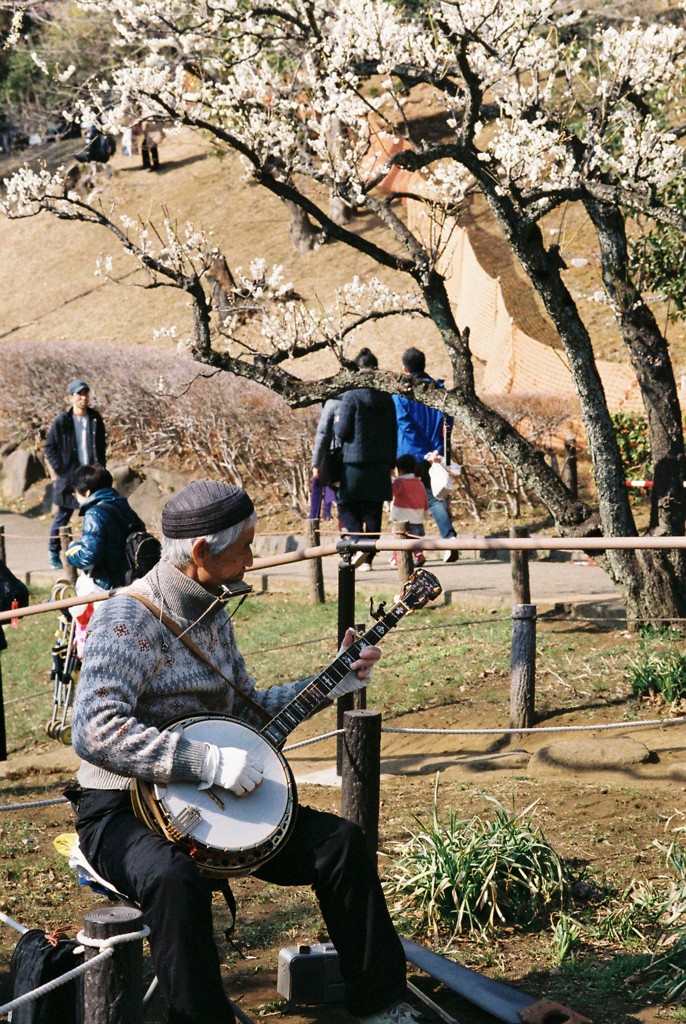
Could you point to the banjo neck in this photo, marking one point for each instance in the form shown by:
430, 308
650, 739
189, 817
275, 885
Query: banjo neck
311, 698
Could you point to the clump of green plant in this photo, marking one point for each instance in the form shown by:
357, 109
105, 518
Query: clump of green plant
471, 875
650, 917
566, 938
667, 972
659, 672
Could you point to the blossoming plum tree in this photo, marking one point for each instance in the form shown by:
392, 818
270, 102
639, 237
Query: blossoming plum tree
539, 111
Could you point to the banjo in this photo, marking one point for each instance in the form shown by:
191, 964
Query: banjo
228, 835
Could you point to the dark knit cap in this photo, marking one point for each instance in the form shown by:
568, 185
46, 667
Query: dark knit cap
204, 507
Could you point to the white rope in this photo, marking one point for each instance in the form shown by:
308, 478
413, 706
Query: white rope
543, 728
315, 739
6, 919
114, 940
107, 950
35, 803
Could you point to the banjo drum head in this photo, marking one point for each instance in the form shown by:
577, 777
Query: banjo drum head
246, 823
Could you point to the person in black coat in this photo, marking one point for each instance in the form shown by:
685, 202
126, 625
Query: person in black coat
76, 437
365, 426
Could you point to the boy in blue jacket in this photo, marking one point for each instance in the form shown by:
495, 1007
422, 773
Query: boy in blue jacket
100, 551
107, 521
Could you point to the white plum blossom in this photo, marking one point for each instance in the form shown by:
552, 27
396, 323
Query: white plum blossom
315, 96
529, 153
646, 58
289, 324
14, 32
164, 332
39, 62
103, 266
647, 153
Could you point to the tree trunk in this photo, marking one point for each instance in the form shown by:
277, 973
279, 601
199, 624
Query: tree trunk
304, 235
650, 359
651, 582
462, 402
652, 586
340, 211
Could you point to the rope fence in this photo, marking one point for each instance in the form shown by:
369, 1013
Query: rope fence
393, 543
531, 730
106, 947
362, 730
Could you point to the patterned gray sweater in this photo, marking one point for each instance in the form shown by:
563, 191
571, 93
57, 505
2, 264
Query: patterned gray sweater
137, 675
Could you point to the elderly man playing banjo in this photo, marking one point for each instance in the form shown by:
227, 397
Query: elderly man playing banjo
166, 721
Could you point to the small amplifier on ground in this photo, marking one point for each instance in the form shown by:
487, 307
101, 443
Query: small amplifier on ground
310, 974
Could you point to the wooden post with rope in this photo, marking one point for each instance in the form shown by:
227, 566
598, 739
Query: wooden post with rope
405, 563
113, 988
66, 538
360, 785
316, 569
519, 563
523, 667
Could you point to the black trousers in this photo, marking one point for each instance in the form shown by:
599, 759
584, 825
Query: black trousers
324, 851
359, 518
62, 517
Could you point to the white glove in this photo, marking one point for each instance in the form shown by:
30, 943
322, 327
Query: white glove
231, 768
350, 682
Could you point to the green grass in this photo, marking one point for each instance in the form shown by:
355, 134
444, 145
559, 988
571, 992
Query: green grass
26, 666
438, 656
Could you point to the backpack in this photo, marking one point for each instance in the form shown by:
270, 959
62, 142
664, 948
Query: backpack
11, 589
142, 553
13, 594
38, 958
141, 550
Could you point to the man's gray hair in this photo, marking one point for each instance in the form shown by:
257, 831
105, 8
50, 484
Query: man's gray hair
180, 551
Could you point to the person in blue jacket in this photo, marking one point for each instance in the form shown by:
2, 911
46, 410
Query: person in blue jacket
100, 551
421, 430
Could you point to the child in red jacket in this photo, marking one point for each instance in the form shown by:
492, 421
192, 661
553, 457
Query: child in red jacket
409, 503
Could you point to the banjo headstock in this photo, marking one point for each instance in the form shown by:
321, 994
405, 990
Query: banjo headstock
421, 588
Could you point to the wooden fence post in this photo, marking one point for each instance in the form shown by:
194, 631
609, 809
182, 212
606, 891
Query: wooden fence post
405, 561
346, 616
360, 785
66, 537
315, 564
523, 667
113, 989
569, 469
519, 563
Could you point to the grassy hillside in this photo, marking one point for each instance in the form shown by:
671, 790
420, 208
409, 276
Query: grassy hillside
50, 292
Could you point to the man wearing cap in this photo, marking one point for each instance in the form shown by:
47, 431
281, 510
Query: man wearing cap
76, 438
137, 675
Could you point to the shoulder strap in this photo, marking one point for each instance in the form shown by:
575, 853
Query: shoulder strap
193, 647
